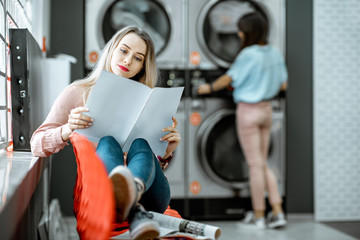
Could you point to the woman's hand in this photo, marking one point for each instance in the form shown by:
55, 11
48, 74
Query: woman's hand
204, 89
173, 138
220, 83
76, 120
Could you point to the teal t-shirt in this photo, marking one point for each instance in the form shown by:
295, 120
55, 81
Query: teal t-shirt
257, 74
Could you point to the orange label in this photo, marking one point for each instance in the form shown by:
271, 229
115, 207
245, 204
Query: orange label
93, 56
195, 187
195, 118
195, 58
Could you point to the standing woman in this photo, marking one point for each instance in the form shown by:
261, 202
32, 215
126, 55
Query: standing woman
141, 184
257, 75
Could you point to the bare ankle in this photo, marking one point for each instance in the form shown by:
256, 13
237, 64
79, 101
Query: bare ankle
259, 213
276, 209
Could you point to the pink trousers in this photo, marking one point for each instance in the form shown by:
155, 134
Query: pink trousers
253, 128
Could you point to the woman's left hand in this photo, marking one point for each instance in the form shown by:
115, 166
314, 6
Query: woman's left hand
173, 137
204, 89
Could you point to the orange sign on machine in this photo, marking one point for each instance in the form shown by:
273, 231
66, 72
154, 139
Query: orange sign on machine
195, 187
93, 56
195, 118
195, 58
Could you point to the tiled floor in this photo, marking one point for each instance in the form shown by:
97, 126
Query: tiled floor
300, 227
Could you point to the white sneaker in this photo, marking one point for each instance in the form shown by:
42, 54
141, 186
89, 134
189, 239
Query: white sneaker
124, 190
255, 223
142, 225
276, 221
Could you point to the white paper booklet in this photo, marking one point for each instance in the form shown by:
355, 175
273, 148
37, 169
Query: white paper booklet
127, 109
191, 229
167, 234
179, 228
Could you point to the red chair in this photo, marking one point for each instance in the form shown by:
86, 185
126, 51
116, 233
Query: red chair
94, 205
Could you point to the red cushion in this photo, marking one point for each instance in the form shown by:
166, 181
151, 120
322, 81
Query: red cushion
94, 202
94, 205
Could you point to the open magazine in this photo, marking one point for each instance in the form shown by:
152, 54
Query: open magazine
127, 109
179, 228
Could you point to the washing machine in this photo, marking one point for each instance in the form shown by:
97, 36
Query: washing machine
216, 166
176, 169
213, 42
162, 19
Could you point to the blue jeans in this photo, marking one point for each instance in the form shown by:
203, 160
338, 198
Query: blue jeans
144, 165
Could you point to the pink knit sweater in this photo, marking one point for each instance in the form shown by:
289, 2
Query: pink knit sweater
47, 139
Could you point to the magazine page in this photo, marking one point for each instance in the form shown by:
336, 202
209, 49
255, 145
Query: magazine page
183, 236
156, 115
186, 226
115, 104
166, 234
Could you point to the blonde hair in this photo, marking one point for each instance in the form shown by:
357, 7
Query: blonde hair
150, 70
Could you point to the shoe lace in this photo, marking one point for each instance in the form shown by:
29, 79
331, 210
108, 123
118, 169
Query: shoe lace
140, 212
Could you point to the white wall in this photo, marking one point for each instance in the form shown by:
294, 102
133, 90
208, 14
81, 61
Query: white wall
336, 109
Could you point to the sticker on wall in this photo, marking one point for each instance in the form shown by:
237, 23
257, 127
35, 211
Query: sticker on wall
195, 58
93, 56
195, 118
195, 187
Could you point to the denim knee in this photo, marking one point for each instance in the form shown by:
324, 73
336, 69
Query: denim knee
108, 140
108, 144
140, 143
110, 152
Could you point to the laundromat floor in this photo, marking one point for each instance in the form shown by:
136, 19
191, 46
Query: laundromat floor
300, 226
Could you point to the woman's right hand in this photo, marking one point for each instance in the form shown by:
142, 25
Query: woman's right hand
76, 120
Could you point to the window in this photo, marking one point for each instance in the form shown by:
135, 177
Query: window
13, 14
4, 126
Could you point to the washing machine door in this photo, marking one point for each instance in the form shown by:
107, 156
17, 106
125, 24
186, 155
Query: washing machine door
217, 29
220, 153
147, 14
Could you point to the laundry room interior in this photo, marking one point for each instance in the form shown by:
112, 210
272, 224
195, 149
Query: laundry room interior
314, 135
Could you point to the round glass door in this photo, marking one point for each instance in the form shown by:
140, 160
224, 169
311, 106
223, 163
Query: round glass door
220, 152
217, 29
146, 14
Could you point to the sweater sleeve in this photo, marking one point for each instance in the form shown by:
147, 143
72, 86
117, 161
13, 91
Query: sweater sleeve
47, 139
